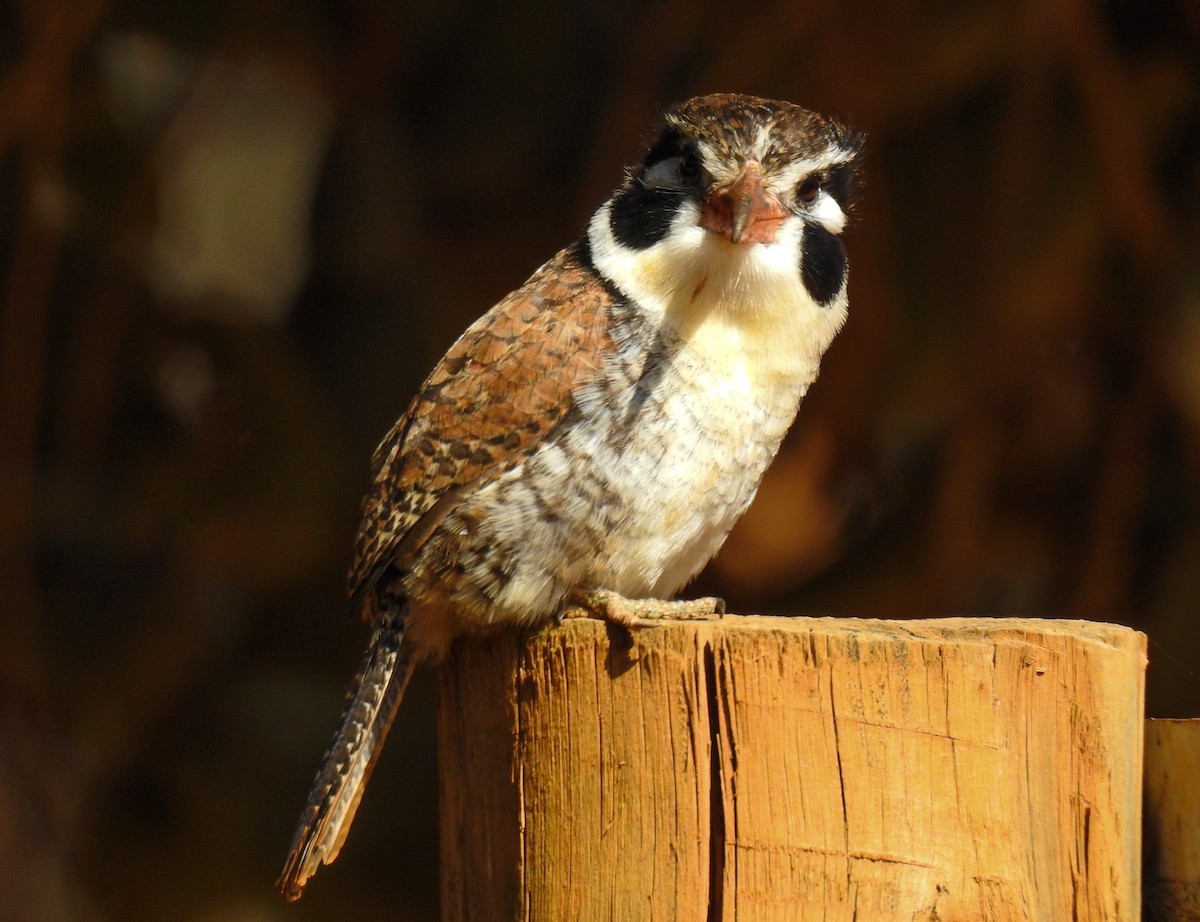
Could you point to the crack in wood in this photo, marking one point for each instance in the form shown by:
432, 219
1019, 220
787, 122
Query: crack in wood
716, 836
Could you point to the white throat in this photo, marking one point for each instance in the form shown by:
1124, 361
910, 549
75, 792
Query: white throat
701, 284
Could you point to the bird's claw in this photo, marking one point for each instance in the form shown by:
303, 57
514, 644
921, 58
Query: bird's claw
634, 614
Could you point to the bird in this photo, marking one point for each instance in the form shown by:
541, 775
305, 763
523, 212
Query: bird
593, 437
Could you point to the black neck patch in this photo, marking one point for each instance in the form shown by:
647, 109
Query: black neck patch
822, 263
640, 218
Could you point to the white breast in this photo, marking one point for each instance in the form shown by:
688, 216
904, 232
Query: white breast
717, 348
688, 470
749, 343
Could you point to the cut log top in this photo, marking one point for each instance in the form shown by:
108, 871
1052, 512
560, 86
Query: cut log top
794, 768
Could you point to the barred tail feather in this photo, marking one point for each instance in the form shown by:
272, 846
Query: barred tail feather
347, 765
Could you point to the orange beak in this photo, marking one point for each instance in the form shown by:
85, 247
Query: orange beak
743, 212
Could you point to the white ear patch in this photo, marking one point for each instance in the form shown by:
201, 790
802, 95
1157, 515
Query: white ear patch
829, 213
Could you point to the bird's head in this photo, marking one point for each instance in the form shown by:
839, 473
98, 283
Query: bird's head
736, 197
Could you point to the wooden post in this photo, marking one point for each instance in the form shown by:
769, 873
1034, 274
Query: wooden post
757, 768
1172, 820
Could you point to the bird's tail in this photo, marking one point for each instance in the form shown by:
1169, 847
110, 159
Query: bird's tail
347, 765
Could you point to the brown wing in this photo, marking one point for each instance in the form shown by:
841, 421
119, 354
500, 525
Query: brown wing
487, 405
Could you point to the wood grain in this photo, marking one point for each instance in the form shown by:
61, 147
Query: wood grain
1172, 825
795, 768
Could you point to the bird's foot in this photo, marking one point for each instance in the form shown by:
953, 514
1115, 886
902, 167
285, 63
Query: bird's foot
639, 613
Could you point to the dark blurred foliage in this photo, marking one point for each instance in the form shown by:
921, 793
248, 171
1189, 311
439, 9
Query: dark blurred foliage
235, 236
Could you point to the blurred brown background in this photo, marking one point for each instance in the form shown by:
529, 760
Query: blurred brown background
235, 236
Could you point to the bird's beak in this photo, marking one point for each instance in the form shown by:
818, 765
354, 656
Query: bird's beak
743, 212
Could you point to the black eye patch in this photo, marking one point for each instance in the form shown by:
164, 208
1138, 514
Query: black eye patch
839, 183
642, 212
671, 163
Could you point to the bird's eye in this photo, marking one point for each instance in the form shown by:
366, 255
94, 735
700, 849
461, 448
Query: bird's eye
808, 190
675, 173
689, 168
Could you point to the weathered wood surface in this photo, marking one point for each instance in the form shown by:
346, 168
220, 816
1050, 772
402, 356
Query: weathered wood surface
758, 768
1172, 871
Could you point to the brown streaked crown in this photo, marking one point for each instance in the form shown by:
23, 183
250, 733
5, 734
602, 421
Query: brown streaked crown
730, 122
